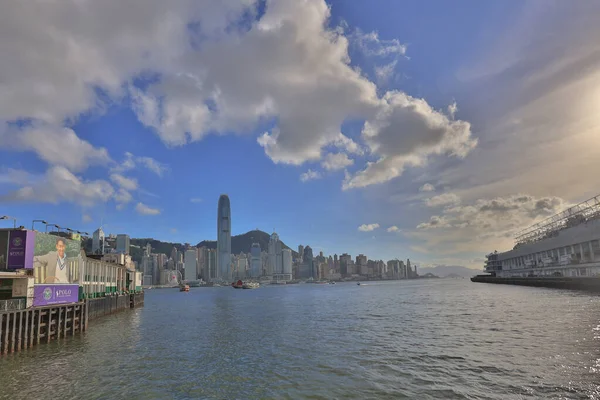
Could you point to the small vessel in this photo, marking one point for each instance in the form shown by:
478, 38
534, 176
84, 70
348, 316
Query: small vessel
358, 283
237, 285
251, 285
184, 288
332, 283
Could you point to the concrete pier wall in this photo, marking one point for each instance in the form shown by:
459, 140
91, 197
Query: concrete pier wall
590, 284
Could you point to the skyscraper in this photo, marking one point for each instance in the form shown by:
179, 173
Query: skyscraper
255, 261
275, 260
190, 265
98, 241
286, 255
123, 244
224, 238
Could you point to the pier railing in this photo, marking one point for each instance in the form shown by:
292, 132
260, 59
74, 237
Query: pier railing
13, 304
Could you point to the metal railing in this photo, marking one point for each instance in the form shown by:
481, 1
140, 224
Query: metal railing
13, 305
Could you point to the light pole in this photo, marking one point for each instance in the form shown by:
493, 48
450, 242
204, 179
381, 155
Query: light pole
54, 225
14, 220
39, 220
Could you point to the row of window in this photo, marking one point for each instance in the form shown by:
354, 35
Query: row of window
580, 252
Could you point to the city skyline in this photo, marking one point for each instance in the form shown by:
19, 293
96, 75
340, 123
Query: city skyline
356, 127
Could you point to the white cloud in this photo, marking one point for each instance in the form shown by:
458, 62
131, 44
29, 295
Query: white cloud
124, 182
452, 109
59, 185
393, 228
350, 146
54, 145
195, 200
428, 187
202, 73
385, 73
372, 45
310, 175
486, 224
337, 161
368, 227
405, 132
122, 197
86, 218
442, 200
143, 209
132, 161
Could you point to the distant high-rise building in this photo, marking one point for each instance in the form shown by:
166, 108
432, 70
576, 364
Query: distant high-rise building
224, 238
255, 261
301, 252
190, 265
361, 264
275, 260
122, 244
148, 249
162, 260
155, 269
344, 262
174, 255
98, 241
209, 273
286, 255
240, 267
409, 271
308, 263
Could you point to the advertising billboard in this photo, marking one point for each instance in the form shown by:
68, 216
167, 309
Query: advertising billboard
20, 249
45, 295
3, 249
56, 259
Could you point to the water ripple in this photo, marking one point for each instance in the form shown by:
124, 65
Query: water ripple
443, 339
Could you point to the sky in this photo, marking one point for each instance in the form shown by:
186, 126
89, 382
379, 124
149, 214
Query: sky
428, 130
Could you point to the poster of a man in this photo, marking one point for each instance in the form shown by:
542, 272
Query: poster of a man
55, 264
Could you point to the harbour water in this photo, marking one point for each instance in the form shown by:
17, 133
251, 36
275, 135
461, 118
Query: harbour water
422, 339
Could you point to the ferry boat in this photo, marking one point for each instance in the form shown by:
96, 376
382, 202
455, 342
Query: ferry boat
237, 285
251, 285
184, 288
564, 245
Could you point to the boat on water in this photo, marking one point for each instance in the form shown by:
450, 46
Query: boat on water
332, 283
238, 285
251, 285
358, 283
184, 288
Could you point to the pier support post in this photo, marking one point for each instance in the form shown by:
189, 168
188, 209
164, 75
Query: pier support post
19, 342
14, 328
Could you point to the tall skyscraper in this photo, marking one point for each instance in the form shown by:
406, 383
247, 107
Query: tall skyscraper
308, 263
209, 273
224, 238
286, 255
255, 260
98, 241
301, 252
190, 265
122, 244
275, 260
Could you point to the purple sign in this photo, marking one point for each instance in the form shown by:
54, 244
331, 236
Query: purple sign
21, 244
45, 295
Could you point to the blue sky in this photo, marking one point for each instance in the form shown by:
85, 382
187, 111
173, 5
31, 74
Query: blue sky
140, 122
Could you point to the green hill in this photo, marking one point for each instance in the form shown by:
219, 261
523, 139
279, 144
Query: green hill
242, 243
239, 243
